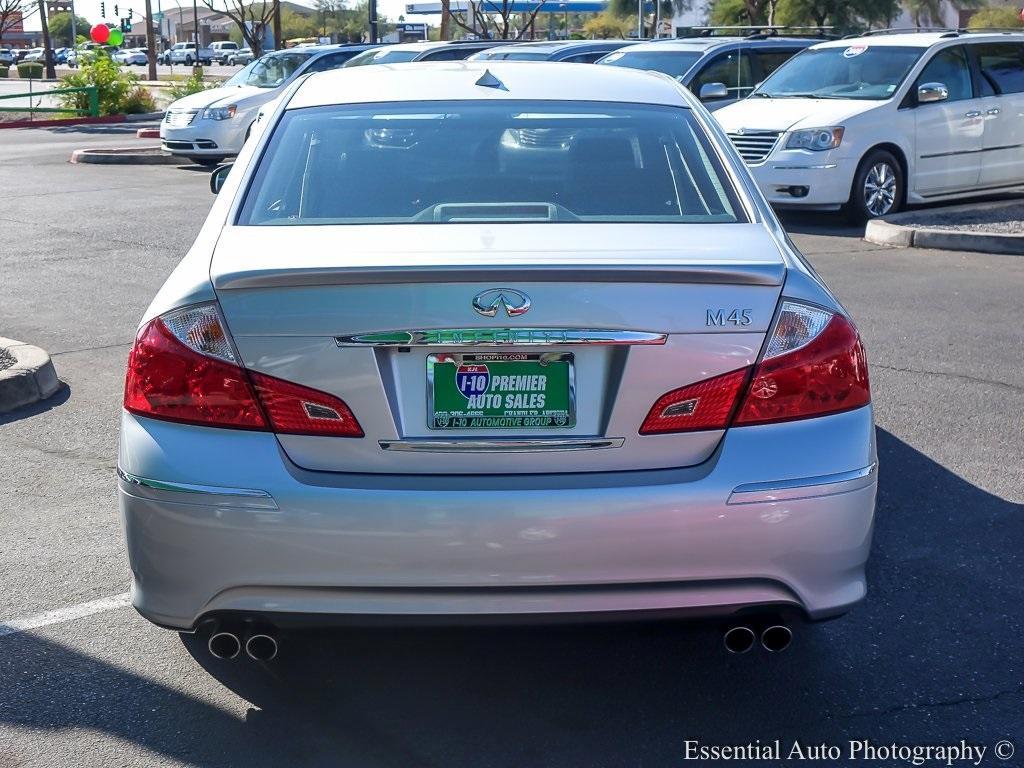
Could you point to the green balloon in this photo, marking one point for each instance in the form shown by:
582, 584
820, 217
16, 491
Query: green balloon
116, 37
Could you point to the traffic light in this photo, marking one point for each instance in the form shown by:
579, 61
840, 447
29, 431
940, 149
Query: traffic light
130, 12
103, 10
115, 10
126, 26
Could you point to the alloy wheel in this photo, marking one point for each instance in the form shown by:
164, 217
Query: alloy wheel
880, 189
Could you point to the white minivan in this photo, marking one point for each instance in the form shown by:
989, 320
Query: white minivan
883, 120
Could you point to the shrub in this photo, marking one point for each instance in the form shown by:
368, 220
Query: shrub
138, 101
607, 25
996, 18
30, 69
4, 71
115, 88
194, 84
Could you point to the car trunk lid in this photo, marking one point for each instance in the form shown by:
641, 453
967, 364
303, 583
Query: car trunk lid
384, 318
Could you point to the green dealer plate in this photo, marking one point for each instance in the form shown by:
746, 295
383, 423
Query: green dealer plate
501, 391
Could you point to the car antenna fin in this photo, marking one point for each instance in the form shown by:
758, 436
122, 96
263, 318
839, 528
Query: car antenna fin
487, 80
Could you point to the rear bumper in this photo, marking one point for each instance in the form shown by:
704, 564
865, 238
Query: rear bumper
781, 515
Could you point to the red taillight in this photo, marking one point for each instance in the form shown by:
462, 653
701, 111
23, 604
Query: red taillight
828, 375
813, 365
705, 405
297, 410
168, 380
183, 368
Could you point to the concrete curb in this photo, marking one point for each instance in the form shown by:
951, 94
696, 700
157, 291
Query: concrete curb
144, 117
899, 230
32, 377
105, 119
125, 156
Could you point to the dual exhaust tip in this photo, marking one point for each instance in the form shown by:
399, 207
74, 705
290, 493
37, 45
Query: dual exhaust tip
228, 645
260, 646
774, 638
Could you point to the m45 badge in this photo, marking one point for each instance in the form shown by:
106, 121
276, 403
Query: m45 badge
723, 317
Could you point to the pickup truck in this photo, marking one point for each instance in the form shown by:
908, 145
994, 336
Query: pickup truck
185, 53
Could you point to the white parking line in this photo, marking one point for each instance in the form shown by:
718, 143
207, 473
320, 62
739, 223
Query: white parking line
70, 613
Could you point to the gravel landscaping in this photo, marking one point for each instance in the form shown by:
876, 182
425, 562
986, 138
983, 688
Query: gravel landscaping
1003, 220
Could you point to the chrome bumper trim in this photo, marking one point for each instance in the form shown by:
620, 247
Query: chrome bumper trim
505, 445
804, 487
248, 497
498, 337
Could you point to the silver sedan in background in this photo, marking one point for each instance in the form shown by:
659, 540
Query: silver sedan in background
407, 372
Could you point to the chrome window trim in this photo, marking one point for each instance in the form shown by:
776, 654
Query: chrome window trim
502, 445
804, 487
499, 337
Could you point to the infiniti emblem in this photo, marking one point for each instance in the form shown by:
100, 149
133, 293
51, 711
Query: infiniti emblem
488, 302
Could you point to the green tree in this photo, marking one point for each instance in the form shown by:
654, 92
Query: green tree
295, 25
845, 16
728, 12
606, 25
996, 18
60, 28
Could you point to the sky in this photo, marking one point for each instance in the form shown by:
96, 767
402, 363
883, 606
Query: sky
90, 9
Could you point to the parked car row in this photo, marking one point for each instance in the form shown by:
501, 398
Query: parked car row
882, 121
869, 123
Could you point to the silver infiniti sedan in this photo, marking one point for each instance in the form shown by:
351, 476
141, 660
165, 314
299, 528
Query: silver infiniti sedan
470, 340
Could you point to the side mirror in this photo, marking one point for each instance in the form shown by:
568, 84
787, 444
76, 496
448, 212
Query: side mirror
712, 91
219, 176
928, 93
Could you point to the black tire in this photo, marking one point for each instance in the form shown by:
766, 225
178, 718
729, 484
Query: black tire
207, 162
189, 61
878, 187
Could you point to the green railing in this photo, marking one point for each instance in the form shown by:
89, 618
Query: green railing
93, 110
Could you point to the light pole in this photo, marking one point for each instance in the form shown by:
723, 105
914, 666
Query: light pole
195, 32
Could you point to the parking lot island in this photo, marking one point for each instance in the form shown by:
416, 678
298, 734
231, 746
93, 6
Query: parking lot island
27, 375
994, 227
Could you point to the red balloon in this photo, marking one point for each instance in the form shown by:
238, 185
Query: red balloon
100, 33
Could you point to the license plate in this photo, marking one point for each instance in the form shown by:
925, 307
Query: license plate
501, 391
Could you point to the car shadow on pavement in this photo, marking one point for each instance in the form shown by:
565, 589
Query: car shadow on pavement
927, 659
56, 400
102, 129
833, 224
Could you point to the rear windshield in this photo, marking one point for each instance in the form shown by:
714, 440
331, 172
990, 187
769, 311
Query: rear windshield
381, 56
513, 55
449, 162
269, 71
673, 63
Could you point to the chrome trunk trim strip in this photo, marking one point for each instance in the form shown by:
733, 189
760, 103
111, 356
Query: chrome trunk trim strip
499, 337
502, 445
804, 487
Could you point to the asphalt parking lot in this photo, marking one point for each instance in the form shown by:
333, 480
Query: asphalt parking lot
934, 656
